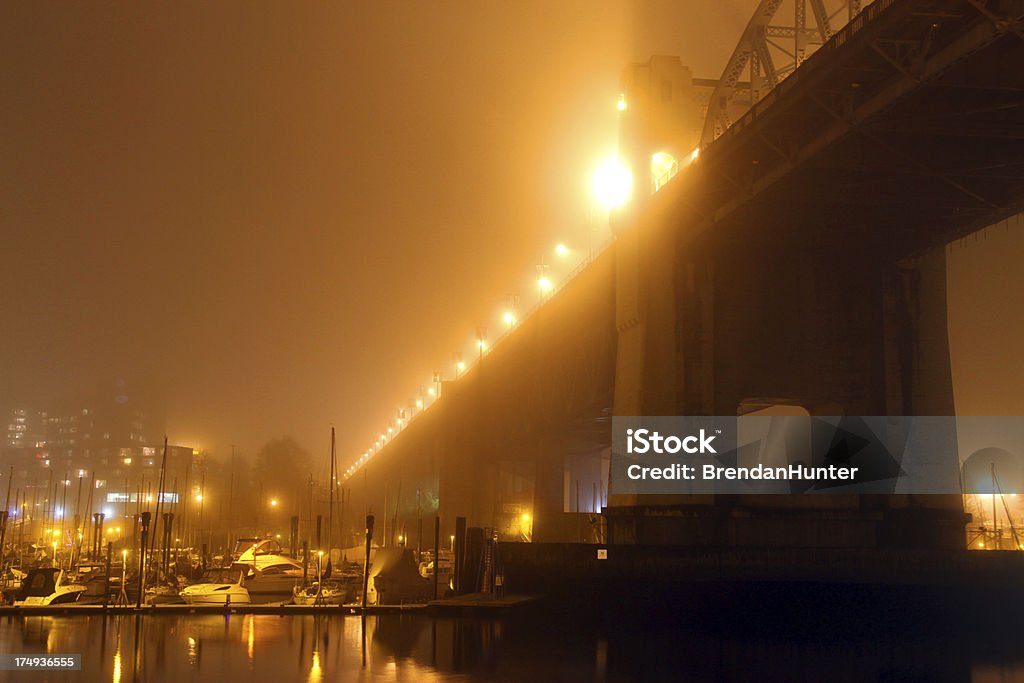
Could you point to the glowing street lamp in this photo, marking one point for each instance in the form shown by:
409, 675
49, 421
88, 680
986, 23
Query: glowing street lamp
511, 309
561, 250
459, 364
273, 502
544, 283
481, 339
611, 184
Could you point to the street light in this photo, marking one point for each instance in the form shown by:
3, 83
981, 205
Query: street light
511, 309
481, 339
543, 280
611, 184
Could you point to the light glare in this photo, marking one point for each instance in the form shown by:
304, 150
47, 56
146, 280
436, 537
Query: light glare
611, 184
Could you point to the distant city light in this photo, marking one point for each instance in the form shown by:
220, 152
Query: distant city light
544, 283
509, 318
561, 250
621, 104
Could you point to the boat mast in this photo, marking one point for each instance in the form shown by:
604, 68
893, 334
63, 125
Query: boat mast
330, 503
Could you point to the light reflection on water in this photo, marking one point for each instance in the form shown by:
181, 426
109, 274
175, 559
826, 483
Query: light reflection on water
229, 648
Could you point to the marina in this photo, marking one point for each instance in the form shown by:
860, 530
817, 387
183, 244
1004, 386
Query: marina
497, 342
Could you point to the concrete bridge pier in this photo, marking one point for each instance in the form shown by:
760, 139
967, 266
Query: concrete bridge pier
813, 320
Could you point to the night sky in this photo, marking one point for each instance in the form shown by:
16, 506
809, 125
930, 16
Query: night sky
289, 214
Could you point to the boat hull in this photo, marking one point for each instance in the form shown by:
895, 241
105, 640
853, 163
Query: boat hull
61, 597
212, 594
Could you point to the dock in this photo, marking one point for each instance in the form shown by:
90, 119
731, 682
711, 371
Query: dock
475, 604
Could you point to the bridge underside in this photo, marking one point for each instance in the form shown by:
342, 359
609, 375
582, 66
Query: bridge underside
900, 137
517, 443
800, 260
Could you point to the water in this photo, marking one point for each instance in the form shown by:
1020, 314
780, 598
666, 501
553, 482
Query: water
534, 648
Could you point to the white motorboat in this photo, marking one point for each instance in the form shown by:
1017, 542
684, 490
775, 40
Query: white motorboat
45, 586
216, 593
266, 554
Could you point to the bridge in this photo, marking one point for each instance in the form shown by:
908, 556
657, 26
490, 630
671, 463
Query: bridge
791, 253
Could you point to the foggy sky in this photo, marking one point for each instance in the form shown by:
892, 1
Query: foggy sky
290, 214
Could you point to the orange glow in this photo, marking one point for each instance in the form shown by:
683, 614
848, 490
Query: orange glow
611, 184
